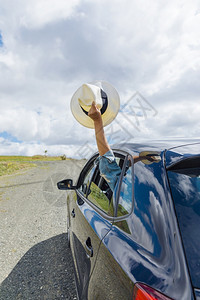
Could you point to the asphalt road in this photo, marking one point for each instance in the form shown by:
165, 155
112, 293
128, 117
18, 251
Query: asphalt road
35, 262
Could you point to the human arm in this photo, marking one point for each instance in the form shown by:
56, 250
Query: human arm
108, 167
102, 144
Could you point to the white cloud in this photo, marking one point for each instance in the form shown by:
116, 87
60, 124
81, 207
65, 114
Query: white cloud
51, 47
30, 149
25, 125
38, 13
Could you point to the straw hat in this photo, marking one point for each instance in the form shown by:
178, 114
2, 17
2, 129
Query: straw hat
105, 97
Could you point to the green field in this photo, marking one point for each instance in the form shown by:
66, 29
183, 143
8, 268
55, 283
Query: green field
29, 158
12, 164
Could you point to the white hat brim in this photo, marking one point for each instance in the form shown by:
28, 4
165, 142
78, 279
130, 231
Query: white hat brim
108, 116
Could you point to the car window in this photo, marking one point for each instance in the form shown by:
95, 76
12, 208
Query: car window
99, 192
185, 188
86, 180
126, 192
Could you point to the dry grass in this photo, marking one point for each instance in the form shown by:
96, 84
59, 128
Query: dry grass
29, 158
12, 164
7, 168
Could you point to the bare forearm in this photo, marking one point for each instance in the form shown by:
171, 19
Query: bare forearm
101, 140
102, 144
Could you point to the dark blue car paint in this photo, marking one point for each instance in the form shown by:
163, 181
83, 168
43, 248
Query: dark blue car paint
145, 246
197, 294
175, 154
152, 253
86, 223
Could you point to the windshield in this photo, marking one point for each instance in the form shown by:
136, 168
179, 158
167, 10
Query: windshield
185, 188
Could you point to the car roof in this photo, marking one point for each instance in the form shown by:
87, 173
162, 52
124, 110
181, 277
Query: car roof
157, 145
175, 149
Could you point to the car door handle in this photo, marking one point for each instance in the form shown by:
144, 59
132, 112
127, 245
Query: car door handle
88, 247
73, 213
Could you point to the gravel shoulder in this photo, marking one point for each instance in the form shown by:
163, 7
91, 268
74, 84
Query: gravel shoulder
35, 262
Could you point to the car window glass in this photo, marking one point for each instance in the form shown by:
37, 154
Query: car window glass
185, 188
86, 181
126, 193
100, 198
100, 193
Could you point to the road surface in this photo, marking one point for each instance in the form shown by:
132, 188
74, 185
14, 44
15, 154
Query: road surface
35, 262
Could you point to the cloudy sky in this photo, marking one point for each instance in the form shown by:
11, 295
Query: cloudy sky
48, 48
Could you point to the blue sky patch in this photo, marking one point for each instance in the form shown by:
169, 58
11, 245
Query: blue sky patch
1, 40
7, 136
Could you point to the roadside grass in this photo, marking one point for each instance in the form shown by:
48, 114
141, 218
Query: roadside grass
7, 168
12, 164
29, 158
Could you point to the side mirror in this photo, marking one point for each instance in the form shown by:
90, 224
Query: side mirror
66, 184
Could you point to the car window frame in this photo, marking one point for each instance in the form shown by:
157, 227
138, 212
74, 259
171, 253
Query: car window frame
96, 208
119, 218
83, 172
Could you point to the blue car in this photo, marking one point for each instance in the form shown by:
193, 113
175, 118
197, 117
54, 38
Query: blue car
142, 240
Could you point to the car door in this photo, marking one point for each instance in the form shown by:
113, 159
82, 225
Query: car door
91, 214
109, 280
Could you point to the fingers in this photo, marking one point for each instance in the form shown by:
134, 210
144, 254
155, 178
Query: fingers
93, 108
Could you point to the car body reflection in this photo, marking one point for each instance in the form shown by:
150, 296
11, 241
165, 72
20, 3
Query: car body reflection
139, 235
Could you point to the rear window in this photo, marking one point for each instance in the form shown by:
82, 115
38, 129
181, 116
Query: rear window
184, 179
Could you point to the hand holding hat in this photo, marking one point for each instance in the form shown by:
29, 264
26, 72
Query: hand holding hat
94, 112
149, 157
105, 98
